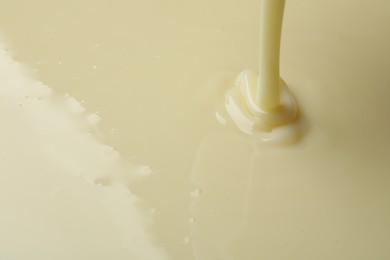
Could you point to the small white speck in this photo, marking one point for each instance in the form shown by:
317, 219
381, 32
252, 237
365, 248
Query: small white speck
144, 170
59, 62
94, 67
186, 240
196, 193
93, 119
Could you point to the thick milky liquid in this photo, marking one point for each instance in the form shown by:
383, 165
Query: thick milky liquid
268, 87
156, 72
260, 104
63, 192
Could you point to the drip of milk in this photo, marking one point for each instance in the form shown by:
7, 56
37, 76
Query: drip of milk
260, 104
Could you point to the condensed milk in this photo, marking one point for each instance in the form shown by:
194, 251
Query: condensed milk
159, 176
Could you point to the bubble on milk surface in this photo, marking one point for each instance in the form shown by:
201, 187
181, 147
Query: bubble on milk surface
196, 193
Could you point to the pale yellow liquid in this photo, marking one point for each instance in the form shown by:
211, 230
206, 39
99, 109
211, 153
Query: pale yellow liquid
268, 87
260, 104
162, 69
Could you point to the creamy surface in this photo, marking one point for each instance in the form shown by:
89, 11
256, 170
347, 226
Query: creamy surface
64, 194
157, 71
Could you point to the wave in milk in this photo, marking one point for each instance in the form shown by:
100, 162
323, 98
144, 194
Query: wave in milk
63, 193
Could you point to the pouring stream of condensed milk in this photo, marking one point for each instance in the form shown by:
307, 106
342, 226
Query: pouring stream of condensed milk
261, 104
157, 178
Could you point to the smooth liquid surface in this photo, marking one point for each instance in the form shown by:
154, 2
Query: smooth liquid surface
326, 198
63, 192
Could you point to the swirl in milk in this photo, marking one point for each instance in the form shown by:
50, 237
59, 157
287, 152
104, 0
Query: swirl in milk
276, 126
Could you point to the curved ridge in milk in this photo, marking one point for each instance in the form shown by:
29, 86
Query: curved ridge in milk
63, 193
275, 126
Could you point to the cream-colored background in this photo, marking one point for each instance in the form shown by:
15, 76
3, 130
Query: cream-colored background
157, 71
